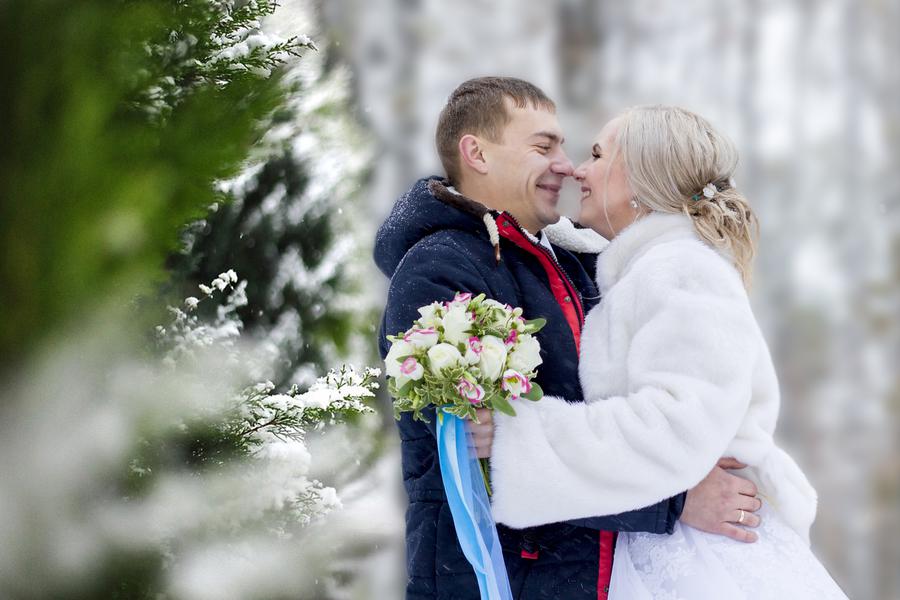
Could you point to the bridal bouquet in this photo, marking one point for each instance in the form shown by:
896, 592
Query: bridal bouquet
459, 356
465, 354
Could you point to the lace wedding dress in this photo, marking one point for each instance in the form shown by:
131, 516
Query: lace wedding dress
694, 565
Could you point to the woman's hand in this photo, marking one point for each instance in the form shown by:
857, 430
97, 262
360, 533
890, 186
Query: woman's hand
481, 434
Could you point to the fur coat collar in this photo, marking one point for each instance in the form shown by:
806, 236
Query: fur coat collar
636, 239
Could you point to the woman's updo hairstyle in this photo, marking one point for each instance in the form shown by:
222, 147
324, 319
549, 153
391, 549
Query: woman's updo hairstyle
676, 162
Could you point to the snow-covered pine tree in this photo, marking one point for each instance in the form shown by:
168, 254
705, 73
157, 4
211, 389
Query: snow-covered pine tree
118, 117
287, 224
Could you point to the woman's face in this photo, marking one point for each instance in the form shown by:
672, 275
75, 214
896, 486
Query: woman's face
605, 193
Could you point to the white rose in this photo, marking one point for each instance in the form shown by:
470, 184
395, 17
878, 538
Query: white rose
441, 356
500, 312
526, 355
431, 314
457, 324
395, 356
493, 357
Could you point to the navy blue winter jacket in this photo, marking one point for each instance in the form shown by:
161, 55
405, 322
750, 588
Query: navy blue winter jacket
433, 245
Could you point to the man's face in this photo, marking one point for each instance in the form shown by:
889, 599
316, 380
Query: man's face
526, 168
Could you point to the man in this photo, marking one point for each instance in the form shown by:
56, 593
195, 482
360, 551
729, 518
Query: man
479, 230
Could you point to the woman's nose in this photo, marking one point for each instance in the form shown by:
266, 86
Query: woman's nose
579, 172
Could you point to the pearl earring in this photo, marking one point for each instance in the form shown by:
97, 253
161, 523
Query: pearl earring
634, 204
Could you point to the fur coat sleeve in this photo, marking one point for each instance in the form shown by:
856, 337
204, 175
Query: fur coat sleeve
688, 376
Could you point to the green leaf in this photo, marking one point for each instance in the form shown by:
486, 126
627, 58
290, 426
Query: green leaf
535, 325
403, 391
503, 405
534, 394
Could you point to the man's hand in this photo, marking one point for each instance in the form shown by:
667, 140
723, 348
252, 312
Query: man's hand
715, 504
481, 434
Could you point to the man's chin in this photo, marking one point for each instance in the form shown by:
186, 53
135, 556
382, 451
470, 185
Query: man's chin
549, 210
550, 218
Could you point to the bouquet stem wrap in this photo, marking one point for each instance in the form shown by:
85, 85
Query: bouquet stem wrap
471, 508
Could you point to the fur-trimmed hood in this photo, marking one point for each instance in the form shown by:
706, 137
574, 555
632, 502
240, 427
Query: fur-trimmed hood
427, 208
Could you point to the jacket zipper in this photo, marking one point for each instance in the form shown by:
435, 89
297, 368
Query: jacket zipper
572, 289
606, 539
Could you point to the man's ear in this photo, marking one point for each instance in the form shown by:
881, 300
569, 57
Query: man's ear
471, 151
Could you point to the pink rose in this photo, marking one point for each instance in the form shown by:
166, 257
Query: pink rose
472, 392
422, 338
462, 297
411, 368
473, 350
512, 337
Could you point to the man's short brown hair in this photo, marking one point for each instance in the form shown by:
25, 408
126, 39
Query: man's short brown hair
477, 107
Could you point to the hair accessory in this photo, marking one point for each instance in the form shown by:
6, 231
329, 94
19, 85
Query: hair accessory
710, 190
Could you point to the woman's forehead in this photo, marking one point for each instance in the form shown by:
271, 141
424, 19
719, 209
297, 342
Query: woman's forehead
607, 135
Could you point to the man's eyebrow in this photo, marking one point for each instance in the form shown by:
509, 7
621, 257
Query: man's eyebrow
553, 137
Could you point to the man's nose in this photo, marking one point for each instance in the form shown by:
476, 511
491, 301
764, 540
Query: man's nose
562, 165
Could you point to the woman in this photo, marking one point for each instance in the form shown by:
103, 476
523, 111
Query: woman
676, 374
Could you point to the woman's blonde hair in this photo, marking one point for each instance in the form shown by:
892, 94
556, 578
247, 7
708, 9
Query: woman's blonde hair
670, 156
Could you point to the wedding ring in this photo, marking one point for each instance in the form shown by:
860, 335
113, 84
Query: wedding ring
743, 514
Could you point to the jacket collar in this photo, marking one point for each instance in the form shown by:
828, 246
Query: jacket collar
636, 239
450, 197
418, 214
430, 207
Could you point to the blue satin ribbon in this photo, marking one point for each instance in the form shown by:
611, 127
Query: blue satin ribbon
471, 508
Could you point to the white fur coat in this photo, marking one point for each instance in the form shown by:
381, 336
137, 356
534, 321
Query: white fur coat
675, 373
